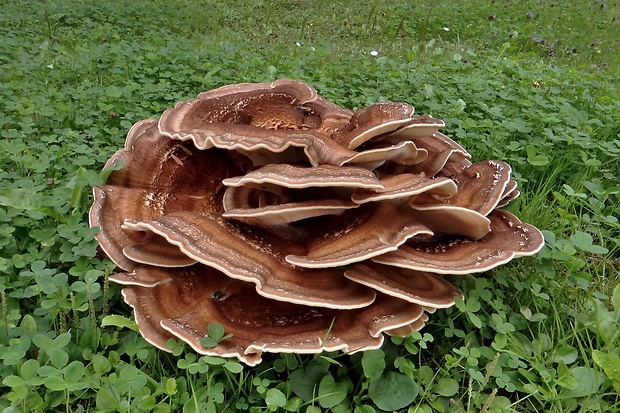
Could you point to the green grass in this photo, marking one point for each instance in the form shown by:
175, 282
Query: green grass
538, 335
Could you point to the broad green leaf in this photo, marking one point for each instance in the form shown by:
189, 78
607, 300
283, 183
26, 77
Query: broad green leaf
446, 387
500, 341
393, 391
46, 371
422, 408
475, 320
473, 304
610, 363
343, 407
567, 354
425, 375
275, 397
90, 338
304, 382
28, 324
460, 304
58, 357
113, 92
615, 298
583, 240
216, 331
501, 404
331, 392
29, 369
171, 386
208, 342
588, 382
62, 340
373, 363
233, 367
567, 381
538, 160
538, 317
55, 383
101, 364
74, 372
43, 342
213, 360
293, 404
13, 381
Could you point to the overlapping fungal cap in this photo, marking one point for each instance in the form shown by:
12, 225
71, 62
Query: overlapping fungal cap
297, 225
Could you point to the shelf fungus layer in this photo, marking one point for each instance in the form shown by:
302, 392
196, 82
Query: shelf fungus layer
297, 225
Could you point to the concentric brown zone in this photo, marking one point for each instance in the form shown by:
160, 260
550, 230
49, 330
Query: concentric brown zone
417, 127
198, 295
418, 287
159, 176
272, 205
298, 176
444, 155
256, 255
509, 238
154, 162
377, 119
283, 193
277, 105
404, 186
406, 330
452, 220
358, 234
286, 118
302, 98
480, 188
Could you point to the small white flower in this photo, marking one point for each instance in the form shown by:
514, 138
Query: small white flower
298, 44
374, 53
51, 66
446, 29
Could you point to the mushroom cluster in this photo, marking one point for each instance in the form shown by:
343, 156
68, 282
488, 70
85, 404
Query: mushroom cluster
297, 225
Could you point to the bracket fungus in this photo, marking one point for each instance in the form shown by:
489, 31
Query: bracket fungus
297, 225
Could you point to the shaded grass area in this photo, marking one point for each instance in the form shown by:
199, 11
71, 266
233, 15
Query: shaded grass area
539, 335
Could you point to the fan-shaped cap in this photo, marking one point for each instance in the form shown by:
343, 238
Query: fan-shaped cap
404, 186
371, 230
155, 250
297, 176
276, 105
508, 238
158, 176
480, 188
196, 296
274, 205
417, 287
418, 127
264, 197
444, 155
509, 194
251, 254
406, 330
449, 219
377, 119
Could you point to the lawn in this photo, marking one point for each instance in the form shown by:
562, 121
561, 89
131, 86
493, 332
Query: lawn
534, 84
